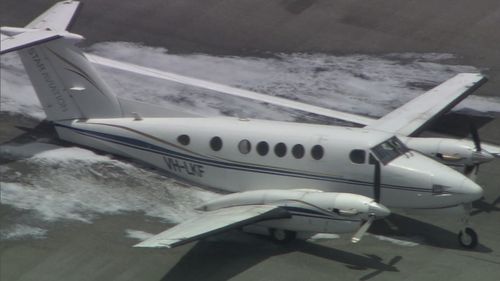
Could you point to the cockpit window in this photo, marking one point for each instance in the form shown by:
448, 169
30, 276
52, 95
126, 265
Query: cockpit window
389, 150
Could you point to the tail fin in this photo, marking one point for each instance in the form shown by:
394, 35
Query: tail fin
66, 83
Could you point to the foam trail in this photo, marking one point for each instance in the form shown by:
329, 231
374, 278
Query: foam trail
18, 96
138, 234
21, 231
360, 84
69, 183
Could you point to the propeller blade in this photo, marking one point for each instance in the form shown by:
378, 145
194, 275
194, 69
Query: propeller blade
377, 182
362, 230
492, 149
475, 136
228, 90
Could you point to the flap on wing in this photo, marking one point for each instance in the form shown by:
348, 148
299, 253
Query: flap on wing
413, 117
213, 222
59, 17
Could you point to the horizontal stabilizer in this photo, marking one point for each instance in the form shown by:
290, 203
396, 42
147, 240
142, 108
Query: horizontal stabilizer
213, 222
49, 26
26, 39
58, 18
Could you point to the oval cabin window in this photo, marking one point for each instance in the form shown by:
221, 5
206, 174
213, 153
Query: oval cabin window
317, 152
183, 139
245, 146
298, 151
262, 148
216, 143
280, 149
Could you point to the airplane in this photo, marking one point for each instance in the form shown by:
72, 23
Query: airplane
284, 177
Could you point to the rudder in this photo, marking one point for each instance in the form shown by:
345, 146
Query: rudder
66, 83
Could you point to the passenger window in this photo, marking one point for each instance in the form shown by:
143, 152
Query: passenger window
216, 143
183, 139
298, 151
357, 156
262, 148
280, 149
317, 152
245, 146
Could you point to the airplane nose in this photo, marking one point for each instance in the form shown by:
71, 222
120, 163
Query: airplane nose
471, 189
378, 210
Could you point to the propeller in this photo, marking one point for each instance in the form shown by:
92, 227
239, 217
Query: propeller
479, 155
475, 136
377, 179
362, 230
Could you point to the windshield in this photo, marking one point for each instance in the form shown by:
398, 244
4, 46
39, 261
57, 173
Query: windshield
389, 150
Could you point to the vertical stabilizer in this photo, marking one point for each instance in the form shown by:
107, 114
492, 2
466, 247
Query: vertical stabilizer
65, 82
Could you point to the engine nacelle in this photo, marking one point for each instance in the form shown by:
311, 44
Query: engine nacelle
449, 151
310, 210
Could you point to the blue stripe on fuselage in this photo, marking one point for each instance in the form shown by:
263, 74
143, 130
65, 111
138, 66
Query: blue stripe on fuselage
145, 146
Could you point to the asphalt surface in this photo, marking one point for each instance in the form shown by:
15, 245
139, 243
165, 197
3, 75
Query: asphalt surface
100, 251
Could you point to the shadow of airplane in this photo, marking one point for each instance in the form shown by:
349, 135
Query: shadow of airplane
482, 206
29, 137
222, 259
457, 123
403, 226
227, 257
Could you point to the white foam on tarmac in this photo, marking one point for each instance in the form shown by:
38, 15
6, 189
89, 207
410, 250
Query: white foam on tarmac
138, 234
362, 84
17, 95
70, 183
21, 231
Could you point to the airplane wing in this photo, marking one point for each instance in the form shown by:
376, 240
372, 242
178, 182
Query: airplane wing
414, 116
213, 222
26, 39
228, 90
59, 17
408, 120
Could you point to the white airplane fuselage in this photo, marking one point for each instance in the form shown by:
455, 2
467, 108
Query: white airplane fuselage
408, 181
